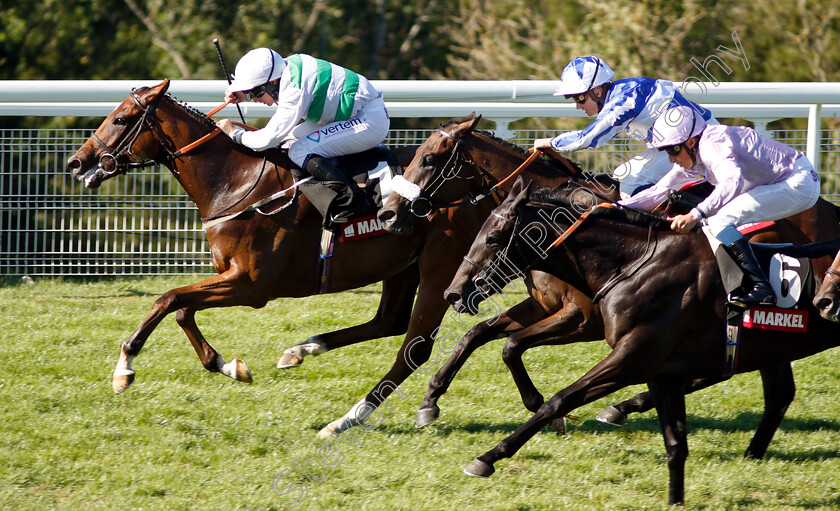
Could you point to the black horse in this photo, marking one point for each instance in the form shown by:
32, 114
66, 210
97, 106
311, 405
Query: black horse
661, 299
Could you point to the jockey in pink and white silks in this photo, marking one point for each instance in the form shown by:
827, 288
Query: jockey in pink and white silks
755, 178
630, 105
323, 110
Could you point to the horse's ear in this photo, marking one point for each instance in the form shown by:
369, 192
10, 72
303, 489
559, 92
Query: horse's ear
160, 88
466, 125
520, 191
518, 185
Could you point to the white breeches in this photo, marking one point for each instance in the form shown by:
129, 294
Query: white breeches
367, 129
795, 194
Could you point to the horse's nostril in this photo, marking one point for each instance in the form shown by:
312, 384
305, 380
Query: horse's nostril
452, 297
823, 304
386, 215
74, 163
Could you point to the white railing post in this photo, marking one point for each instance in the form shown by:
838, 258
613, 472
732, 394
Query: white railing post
812, 147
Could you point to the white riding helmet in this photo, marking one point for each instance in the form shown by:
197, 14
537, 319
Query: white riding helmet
675, 126
255, 68
582, 75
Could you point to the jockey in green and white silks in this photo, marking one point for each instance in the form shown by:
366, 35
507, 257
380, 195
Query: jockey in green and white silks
323, 111
342, 112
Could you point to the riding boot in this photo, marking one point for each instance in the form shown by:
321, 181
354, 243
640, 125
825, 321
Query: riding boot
322, 169
761, 292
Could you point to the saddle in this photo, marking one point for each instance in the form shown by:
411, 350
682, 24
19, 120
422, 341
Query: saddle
371, 170
788, 268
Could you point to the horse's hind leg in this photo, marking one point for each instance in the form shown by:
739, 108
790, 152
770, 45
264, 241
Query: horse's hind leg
642, 402
511, 320
779, 390
210, 358
392, 318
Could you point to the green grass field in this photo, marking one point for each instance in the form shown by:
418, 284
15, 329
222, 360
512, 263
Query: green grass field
184, 438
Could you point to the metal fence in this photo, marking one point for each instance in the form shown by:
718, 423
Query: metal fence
143, 223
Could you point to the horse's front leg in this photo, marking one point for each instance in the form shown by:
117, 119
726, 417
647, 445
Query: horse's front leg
228, 289
573, 323
508, 322
210, 358
414, 353
616, 371
670, 406
391, 318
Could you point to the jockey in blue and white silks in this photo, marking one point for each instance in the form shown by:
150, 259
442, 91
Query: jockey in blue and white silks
629, 105
323, 110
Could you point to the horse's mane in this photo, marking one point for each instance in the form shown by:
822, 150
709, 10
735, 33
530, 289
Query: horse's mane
560, 198
193, 112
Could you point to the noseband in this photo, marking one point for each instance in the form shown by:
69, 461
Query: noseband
832, 275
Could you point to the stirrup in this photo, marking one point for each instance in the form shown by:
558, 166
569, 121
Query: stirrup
756, 296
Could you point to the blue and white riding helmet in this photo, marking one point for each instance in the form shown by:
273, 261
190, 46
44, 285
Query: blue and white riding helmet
582, 75
257, 67
674, 126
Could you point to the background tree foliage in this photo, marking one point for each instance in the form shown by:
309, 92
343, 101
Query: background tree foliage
785, 40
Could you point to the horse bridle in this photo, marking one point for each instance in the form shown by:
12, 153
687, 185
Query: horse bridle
480, 281
422, 206
127, 142
833, 276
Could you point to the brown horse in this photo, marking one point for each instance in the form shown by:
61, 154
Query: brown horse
662, 304
557, 312
827, 298
260, 257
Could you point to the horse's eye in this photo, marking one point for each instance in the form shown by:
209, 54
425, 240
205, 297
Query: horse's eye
120, 121
428, 160
495, 239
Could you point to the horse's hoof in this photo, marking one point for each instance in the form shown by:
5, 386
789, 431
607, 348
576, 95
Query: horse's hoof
612, 415
288, 360
478, 468
559, 425
426, 416
122, 382
241, 371
327, 431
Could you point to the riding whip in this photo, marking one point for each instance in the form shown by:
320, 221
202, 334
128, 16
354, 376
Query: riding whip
227, 73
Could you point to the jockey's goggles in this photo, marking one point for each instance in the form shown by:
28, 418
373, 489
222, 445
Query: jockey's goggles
256, 92
673, 150
579, 98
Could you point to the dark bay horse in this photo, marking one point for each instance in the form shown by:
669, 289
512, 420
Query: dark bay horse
662, 304
261, 257
557, 312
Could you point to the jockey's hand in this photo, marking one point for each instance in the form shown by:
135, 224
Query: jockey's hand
684, 223
235, 97
226, 126
542, 143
